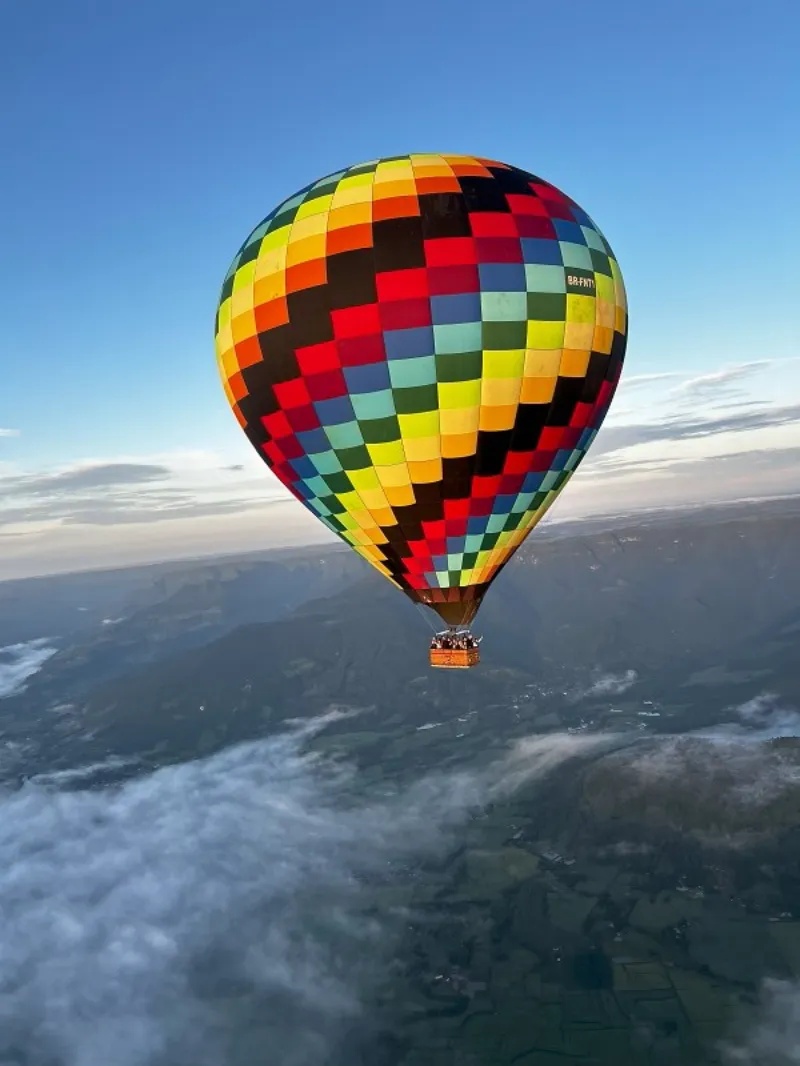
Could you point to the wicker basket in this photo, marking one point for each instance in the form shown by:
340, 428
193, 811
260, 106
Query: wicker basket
455, 658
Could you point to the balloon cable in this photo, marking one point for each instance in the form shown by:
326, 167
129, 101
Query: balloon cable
421, 609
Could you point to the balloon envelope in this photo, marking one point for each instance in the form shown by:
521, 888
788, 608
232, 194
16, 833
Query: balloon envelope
422, 349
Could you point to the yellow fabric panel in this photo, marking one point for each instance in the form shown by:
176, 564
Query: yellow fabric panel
542, 364
384, 516
574, 364
605, 313
244, 325
271, 262
579, 334
223, 315
544, 335
388, 190
418, 449
537, 390
244, 276
400, 495
269, 288
311, 226
459, 394
363, 479
351, 215
393, 476
503, 364
229, 363
394, 170
389, 454
320, 206
457, 446
498, 418
425, 424
456, 421
425, 472
356, 195
500, 392
603, 339
306, 250
242, 300
276, 239
374, 500
580, 308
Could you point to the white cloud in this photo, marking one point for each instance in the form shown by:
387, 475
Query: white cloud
607, 685
216, 907
131, 490
775, 1039
86, 476
18, 662
721, 378
636, 381
5, 432
726, 762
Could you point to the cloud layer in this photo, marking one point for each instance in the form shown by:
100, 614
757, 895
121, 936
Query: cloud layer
211, 910
18, 662
618, 438
775, 1039
121, 492
721, 379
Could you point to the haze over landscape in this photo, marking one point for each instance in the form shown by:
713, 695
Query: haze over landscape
242, 820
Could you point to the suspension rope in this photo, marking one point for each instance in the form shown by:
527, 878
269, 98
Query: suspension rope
424, 614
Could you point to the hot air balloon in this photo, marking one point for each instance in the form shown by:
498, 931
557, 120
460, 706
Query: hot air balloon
422, 349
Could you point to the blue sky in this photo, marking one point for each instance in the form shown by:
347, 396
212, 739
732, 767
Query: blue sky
144, 141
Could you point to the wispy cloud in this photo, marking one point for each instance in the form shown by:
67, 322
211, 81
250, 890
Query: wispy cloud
632, 483
90, 476
637, 381
606, 685
126, 509
765, 717
18, 662
751, 465
730, 764
720, 379
126, 492
616, 438
6, 432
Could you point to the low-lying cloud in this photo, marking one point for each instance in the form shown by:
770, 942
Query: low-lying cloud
19, 662
737, 779
607, 685
765, 717
747, 777
218, 910
775, 1038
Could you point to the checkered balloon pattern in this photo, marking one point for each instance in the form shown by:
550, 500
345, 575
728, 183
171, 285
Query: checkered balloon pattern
422, 349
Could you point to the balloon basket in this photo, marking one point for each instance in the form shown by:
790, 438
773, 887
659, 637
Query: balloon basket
458, 651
